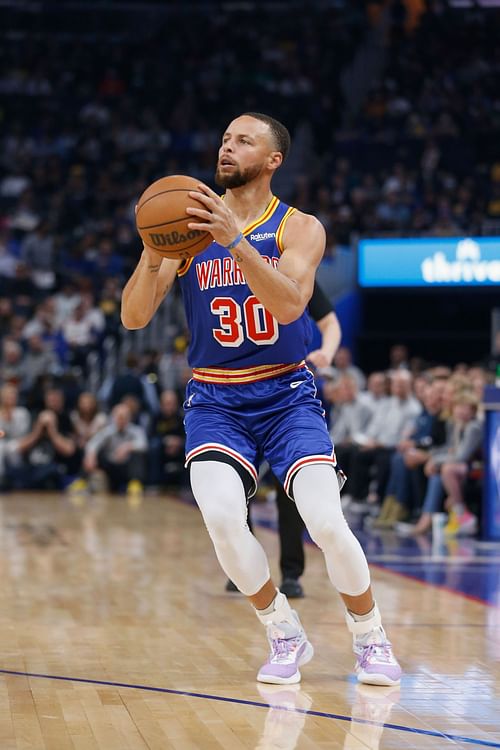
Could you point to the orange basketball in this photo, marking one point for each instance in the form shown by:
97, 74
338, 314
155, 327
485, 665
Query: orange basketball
162, 221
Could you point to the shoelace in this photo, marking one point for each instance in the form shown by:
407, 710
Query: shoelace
281, 647
381, 651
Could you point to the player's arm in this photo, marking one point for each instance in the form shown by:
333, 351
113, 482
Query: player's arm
148, 286
284, 291
320, 310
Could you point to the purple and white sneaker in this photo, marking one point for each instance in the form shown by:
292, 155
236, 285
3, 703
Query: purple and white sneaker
375, 662
287, 655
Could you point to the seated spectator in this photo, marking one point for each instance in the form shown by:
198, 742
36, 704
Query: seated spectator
39, 359
350, 416
406, 485
166, 445
463, 440
81, 335
86, 419
377, 390
173, 369
138, 415
378, 442
129, 381
343, 365
11, 363
119, 451
49, 451
65, 301
454, 472
14, 424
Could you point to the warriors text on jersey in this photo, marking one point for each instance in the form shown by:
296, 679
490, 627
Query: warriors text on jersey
230, 329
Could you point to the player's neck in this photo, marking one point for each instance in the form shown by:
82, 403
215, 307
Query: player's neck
248, 202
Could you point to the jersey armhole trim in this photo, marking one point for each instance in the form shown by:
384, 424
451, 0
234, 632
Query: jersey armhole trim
184, 267
281, 229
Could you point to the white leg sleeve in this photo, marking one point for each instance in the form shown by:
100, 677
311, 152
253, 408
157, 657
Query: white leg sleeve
220, 495
317, 498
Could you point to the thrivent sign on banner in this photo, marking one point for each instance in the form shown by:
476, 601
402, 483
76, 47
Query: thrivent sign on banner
429, 262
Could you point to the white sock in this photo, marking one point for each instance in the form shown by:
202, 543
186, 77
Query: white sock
280, 614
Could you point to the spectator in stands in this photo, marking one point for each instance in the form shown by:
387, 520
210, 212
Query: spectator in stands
406, 485
87, 419
343, 365
11, 363
166, 444
377, 390
38, 253
174, 370
49, 451
119, 451
379, 440
65, 301
455, 470
128, 381
14, 424
39, 359
463, 441
350, 416
80, 331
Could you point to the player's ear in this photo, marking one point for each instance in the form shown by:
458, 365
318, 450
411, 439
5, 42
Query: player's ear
275, 159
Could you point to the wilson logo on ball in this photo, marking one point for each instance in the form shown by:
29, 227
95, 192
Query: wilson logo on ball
173, 238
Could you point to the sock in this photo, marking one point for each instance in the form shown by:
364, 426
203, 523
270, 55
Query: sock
268, 610
361, 625
280, 616
363, 618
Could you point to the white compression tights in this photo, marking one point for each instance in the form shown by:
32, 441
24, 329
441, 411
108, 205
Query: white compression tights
220, 495
317, 498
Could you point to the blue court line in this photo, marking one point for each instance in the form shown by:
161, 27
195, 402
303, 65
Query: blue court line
257, 704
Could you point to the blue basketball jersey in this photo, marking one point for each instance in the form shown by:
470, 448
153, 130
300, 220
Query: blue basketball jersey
229, 327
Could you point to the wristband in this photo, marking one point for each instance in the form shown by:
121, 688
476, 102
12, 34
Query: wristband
235, 242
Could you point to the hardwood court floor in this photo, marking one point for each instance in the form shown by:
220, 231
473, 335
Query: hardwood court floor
116, 633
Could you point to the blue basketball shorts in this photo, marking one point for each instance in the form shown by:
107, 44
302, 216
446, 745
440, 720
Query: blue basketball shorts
280, 420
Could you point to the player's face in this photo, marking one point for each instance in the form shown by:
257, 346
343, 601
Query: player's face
244, 153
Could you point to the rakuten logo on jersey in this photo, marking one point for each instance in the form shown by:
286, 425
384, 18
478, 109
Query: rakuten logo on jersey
259, 236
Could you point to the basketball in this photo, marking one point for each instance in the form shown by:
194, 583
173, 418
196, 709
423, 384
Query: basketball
162, 221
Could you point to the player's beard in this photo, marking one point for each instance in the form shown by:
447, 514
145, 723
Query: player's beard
237, 178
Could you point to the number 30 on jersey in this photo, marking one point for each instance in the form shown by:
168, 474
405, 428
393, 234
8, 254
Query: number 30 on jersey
235, 320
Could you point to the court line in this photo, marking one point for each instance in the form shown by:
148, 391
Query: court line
257, 704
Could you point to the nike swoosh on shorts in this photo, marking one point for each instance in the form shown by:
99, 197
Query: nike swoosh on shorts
296, 383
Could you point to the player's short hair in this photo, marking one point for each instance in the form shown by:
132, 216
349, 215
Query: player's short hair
279, 132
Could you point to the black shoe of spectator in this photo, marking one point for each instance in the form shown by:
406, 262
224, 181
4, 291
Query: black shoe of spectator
230, 586
292, 588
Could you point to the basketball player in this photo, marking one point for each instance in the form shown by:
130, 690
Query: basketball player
251, 395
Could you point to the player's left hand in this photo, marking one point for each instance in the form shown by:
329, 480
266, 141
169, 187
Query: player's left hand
215, 217
318, 358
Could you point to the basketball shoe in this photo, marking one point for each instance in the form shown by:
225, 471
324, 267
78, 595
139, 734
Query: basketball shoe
289, 647
375, 662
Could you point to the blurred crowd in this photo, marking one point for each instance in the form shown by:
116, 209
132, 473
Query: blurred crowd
410, 443
421, 156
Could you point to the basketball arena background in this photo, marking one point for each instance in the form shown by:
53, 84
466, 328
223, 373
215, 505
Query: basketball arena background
394, 110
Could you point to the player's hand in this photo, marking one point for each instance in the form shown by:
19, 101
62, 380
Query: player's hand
318, 358
213, 216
